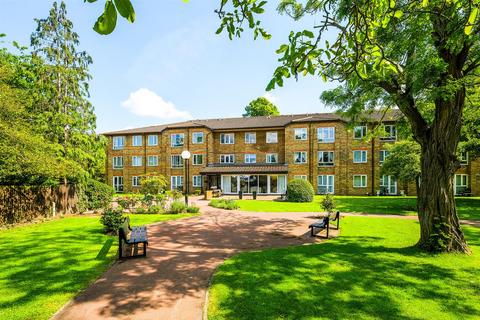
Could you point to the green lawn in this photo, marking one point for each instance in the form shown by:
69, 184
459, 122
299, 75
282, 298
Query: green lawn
468, 207
44, 265
372, 271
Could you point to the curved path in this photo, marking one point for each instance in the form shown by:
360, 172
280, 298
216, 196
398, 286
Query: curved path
171, 282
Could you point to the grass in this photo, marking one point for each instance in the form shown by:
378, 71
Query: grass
46, 264
372, 271
468, 207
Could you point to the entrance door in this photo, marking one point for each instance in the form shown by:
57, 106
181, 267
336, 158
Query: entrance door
388, 185
244, 184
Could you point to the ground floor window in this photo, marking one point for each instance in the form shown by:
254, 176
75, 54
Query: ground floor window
360, 181
176, 182
118, 184
388, 185
325, 184
197, 181
461, 183
262, 184
135, 181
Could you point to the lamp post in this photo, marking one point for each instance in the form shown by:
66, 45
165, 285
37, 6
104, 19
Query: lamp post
186, 156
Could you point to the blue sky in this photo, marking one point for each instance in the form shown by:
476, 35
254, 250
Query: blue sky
169, 65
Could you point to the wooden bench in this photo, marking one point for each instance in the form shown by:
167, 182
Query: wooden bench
129, 238
324, 224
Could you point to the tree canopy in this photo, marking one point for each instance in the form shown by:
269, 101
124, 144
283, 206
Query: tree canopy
261, 107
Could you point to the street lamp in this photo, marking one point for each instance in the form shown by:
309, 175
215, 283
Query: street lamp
186, 156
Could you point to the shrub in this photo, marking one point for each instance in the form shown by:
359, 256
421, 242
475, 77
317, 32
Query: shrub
153, 184
141, 210
177, 207
112, 219
327, 203
299, 190
97, 194
193, 209
175, 194
227, 204
155, 209
128, 202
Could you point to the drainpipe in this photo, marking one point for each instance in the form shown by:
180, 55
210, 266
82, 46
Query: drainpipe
373, 166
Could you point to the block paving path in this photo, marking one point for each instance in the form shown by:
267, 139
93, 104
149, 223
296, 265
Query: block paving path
171, 282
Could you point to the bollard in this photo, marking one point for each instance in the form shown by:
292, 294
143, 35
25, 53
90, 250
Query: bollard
254, 195
240, 194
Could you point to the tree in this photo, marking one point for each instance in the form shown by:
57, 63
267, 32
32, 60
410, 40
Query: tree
153, 184
62, 109
261, 107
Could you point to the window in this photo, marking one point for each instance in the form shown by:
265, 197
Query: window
136, 161
388, 185
390, 132
197, 181
383, 155
250, 158
250, 137
359, 132
152, 161
227, 158
176, 182
227, 138
197, 159
326, 135
176, 161
300, 157
118, 184
135, 181
359, 156
272, 137
153, 140
325, 184
118, 143
272, 158
197, 137
137, 141
461, 183
325, 158
303, 177
117, 162
176, 139
300, 134
360, 181
463, 157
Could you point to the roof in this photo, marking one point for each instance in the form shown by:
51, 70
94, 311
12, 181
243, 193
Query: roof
255, 122
245, 168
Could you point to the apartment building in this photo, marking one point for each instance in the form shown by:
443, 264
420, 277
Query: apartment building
263, 153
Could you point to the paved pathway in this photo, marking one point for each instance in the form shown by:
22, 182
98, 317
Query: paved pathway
183, 254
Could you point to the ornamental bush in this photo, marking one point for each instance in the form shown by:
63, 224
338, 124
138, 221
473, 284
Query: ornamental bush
227, 204
300, 190
96, 194
193, 209
177, 207
112, 219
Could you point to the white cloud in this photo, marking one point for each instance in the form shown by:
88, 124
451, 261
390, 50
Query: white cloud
269, 96
147, 103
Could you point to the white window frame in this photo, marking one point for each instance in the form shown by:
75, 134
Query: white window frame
115, 163
390, 181
463, 158
300, 153
363, 152
300, 176
135, 181
269, 156
153, 143
176, 164
117, 183
195, 184
302, 135
326, 134
250, 137
134, 158
174, 139
176, 182
224, 157
227, 138
464, 182
363, 180
383, 155
195, 157
323, 180
363, 132
389, 137
115, 142
197, 134
250, 158
269, 137
149, 163
322, 163
137, 140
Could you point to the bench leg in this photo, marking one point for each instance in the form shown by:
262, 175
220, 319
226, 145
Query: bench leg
120, 248
311, 232
145, 249
328, 228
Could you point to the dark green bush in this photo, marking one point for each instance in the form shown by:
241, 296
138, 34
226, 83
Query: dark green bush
299, 190
112, 219
155, 209
97, 194
193, 209
141, 210
177, 207
227, 204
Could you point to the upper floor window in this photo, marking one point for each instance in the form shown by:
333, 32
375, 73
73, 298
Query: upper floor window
137, 161
227, 158
383, 155
117, 162
300, 157
137, 141
272, 137
325, 158
118, 143
300, 133
227, 138
197, 159
360, 181
152, 161
250, 158
250, 137
359, 132
326, 134
176, 139
272, 158
176, 161
359, 156
390, 132
153, 140
197, 137
303, 177
463, 157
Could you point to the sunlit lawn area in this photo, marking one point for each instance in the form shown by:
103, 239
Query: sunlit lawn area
372, 271
468, 207
44, 265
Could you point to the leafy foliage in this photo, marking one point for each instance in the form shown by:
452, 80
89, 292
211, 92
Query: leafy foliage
227, 204
177, 207
403, 161
261, 107
98, 194
111, 220
327, 203
153, 184
300, 190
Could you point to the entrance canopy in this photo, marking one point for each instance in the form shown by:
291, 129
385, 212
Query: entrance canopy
245, 169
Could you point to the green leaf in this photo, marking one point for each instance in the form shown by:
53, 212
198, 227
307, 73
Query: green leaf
125, 9
471, 21
424, 3
107, 22
398, 14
